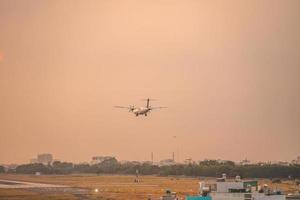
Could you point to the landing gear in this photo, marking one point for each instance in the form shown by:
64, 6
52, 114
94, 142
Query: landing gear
136, 114
146, 114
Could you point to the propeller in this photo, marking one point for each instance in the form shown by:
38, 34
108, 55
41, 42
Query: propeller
131, 108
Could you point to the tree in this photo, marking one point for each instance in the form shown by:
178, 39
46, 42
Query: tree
82, 168
2, 169
62, 167
33, 168
109, 165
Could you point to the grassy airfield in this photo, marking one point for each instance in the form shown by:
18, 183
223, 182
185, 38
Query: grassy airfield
110, 187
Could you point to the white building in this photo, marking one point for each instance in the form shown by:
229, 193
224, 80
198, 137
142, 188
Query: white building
166, 162
226, 186
45, 159
239, 190
297, 161
245, 162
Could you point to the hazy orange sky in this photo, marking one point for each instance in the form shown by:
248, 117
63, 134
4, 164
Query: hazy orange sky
229, 72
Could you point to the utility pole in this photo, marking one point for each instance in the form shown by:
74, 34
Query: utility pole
173, 156
176, 146
152, 157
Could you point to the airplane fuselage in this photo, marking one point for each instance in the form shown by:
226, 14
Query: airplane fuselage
141, 111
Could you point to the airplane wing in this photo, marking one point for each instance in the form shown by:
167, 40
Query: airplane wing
122, 107
130, 108
152, 108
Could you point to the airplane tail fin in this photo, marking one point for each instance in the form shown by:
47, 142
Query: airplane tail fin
148, 102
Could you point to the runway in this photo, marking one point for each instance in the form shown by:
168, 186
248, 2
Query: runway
22, 184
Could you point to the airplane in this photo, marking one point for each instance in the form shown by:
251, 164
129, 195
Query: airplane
141, 110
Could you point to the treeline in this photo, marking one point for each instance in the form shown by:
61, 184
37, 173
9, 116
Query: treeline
246, 171
2, 169
205, 168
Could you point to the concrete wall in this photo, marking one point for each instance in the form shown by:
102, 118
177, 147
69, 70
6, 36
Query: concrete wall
227, 196
225, 186
262, 196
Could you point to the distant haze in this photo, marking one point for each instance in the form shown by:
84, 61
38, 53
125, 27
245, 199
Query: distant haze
228, 71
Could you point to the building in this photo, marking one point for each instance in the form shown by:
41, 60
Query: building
33, 160
245, 162
238, 189
188, 161
100, 159
166, 162
297, 161
10, 167
45, 158
147, 162
283, 163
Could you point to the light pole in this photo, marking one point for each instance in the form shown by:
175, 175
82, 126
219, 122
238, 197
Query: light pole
176, 147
